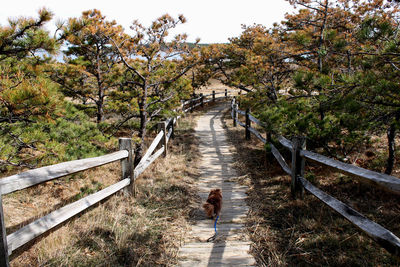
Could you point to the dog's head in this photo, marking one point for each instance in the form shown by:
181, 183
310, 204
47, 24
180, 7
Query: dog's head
216, 192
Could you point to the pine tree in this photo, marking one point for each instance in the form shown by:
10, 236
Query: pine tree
91, 70
154, 72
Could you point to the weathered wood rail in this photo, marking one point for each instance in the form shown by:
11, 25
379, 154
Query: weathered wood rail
13, 183
381, 235
200, 100
11, 242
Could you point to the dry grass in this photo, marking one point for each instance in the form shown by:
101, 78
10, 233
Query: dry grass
121, 231
288, 232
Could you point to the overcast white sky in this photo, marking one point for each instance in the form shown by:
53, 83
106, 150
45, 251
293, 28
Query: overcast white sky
213, 21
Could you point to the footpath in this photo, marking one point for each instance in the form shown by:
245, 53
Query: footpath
231, 246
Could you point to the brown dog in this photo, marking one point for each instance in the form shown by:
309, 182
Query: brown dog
213, 204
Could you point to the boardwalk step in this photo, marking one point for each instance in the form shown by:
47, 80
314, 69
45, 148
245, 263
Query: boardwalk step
232, 244
231, 261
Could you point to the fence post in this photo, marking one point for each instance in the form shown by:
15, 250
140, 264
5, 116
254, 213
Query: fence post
248, 124
173, 128
4, 261
213, 95
226, 93
127, 165
232, 107
235, 115
202, 99
163, 126
298, 163
269, 137
269, 156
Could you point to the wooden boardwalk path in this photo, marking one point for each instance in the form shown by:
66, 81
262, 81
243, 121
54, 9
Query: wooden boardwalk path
232, 245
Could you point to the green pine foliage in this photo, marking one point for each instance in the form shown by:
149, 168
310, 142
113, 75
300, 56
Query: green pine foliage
329, 72
70, 136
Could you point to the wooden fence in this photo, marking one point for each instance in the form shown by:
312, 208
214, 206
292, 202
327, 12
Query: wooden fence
11, 242
382, 236
200, 100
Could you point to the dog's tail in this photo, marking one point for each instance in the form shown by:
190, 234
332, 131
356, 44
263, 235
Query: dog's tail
209, 208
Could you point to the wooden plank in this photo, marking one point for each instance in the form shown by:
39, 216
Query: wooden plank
169, 134
198, 104
241, 124
4, 260
219, 93
171, 126
235, 115
190, 108
127, 164
285, 142
42, 225
386, 181
280, 159
241, 112
152, 147
169, 120
140, 168
164, 139
248, 125
381, 235
40, 175
210, 250
253, 119
220, 98
218, 262
298, 165
257, 134
187, 102
191, 100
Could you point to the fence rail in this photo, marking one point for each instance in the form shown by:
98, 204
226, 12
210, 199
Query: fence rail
44, 224
10, 243
202, 99
44, 174
386, 181
381, 235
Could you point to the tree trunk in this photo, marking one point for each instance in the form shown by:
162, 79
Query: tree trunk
321, 112
100, 111
349, 62
321, 36
273, 93
143, 124
100, 101
391, 134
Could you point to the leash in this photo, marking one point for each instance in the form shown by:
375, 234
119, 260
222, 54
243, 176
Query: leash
215, 228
